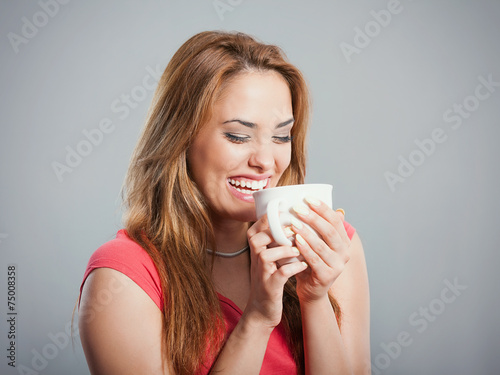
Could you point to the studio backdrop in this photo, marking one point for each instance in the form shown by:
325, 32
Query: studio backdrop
406, 119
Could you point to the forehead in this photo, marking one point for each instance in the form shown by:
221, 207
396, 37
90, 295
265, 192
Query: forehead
255, 95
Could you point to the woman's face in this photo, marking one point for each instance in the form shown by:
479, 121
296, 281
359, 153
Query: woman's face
245, 146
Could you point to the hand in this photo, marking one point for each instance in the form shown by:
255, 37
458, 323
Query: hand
326, 253
265, 304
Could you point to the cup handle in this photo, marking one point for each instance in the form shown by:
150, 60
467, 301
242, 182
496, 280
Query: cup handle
273, 217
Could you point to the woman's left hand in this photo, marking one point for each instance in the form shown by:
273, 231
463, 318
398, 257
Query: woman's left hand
326, 253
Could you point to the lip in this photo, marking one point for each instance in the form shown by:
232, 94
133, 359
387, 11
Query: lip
252, 176
238, 194
246, 197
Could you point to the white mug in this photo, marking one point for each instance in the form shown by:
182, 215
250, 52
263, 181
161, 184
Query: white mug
278, 204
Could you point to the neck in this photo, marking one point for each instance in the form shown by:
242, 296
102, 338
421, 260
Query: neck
230, 236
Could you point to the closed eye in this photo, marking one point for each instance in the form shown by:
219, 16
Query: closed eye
283, 139
235, 138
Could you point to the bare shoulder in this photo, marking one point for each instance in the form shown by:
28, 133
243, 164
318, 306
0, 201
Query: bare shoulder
120, 326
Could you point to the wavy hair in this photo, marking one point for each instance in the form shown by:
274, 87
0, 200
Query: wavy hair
167, 214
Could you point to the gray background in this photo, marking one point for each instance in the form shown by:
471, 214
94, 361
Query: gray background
437, 225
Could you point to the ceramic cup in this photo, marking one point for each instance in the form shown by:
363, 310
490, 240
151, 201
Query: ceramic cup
278, 204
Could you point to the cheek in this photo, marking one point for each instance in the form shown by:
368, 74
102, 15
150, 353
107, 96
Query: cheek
234, 157
214, 159
284, 158
207, 154
228, 157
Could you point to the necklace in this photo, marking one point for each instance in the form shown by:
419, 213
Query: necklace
228, 255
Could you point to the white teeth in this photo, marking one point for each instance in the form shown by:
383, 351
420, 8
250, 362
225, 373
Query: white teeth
244, 191
253, 185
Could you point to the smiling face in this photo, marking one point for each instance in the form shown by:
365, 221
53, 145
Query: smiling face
245, 146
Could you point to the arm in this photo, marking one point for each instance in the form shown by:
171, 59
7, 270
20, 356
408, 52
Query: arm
348, 349
336, 263
120, 326
351, 290
120, 329
244, 350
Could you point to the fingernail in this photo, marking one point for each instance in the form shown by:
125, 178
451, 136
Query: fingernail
296, 223
289, 232
300, 239
301, 209
295, 250
313, 201
305, 264
340, 210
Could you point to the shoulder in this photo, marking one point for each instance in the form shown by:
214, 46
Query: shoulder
120, 249
119, 325
119, 317
126, 256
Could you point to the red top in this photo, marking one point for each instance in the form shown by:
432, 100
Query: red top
126, 256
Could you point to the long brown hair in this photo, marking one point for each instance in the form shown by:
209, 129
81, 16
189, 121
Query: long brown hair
166, 213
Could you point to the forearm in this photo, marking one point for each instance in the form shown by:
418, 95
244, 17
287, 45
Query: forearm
243, 352
323, 347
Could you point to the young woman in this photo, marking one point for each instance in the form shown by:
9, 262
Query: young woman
191, 285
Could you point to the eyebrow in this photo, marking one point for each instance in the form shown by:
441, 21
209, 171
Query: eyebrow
253, 125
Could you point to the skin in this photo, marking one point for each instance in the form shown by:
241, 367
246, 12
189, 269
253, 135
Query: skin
228, 149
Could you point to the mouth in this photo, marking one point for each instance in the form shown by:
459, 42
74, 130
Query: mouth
243, 188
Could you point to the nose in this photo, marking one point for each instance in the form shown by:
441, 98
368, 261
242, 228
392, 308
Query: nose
262, 158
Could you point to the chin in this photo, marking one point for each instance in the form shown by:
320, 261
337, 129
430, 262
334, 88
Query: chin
245, 216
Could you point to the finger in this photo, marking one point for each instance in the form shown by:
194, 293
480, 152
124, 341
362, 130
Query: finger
258, 226
268, 240
341, 212
321, 217
288, 270
329, 232
331, 256
267, 260
274, 254
324, 210
315, 251
260, 241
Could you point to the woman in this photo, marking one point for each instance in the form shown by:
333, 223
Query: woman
191, 285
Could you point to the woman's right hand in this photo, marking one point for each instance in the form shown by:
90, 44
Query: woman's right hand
265, 304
